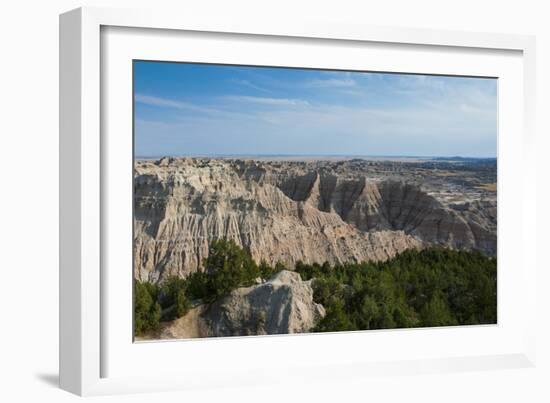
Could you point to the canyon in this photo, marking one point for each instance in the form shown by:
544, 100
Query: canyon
314, 210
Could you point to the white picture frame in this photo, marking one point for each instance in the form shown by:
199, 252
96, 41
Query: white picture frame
92, 346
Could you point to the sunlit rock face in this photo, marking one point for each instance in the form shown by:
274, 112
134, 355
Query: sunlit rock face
289, 211
282, 305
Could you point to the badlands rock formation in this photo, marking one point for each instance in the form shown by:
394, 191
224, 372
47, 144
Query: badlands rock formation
282, 305
333, 211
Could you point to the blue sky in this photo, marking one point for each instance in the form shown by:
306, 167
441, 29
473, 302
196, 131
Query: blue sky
198, 109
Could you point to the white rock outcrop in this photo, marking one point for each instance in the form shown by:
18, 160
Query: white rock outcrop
282, 305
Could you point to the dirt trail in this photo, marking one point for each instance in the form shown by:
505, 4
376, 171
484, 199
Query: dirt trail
189, 326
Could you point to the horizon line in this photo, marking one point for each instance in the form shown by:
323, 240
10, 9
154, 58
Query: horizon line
310, 155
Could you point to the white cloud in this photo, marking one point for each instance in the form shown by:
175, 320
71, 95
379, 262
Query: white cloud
156, 101
331, 83
249, 84
197, 112
324, 129
266, 101
408, 116
170, 103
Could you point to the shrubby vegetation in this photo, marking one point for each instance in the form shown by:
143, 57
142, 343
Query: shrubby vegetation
146, 308
433, 287
227, 267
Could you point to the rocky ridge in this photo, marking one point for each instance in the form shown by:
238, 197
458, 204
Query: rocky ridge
290, 211
282, 305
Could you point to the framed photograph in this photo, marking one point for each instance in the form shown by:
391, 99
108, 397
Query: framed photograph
247, 203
